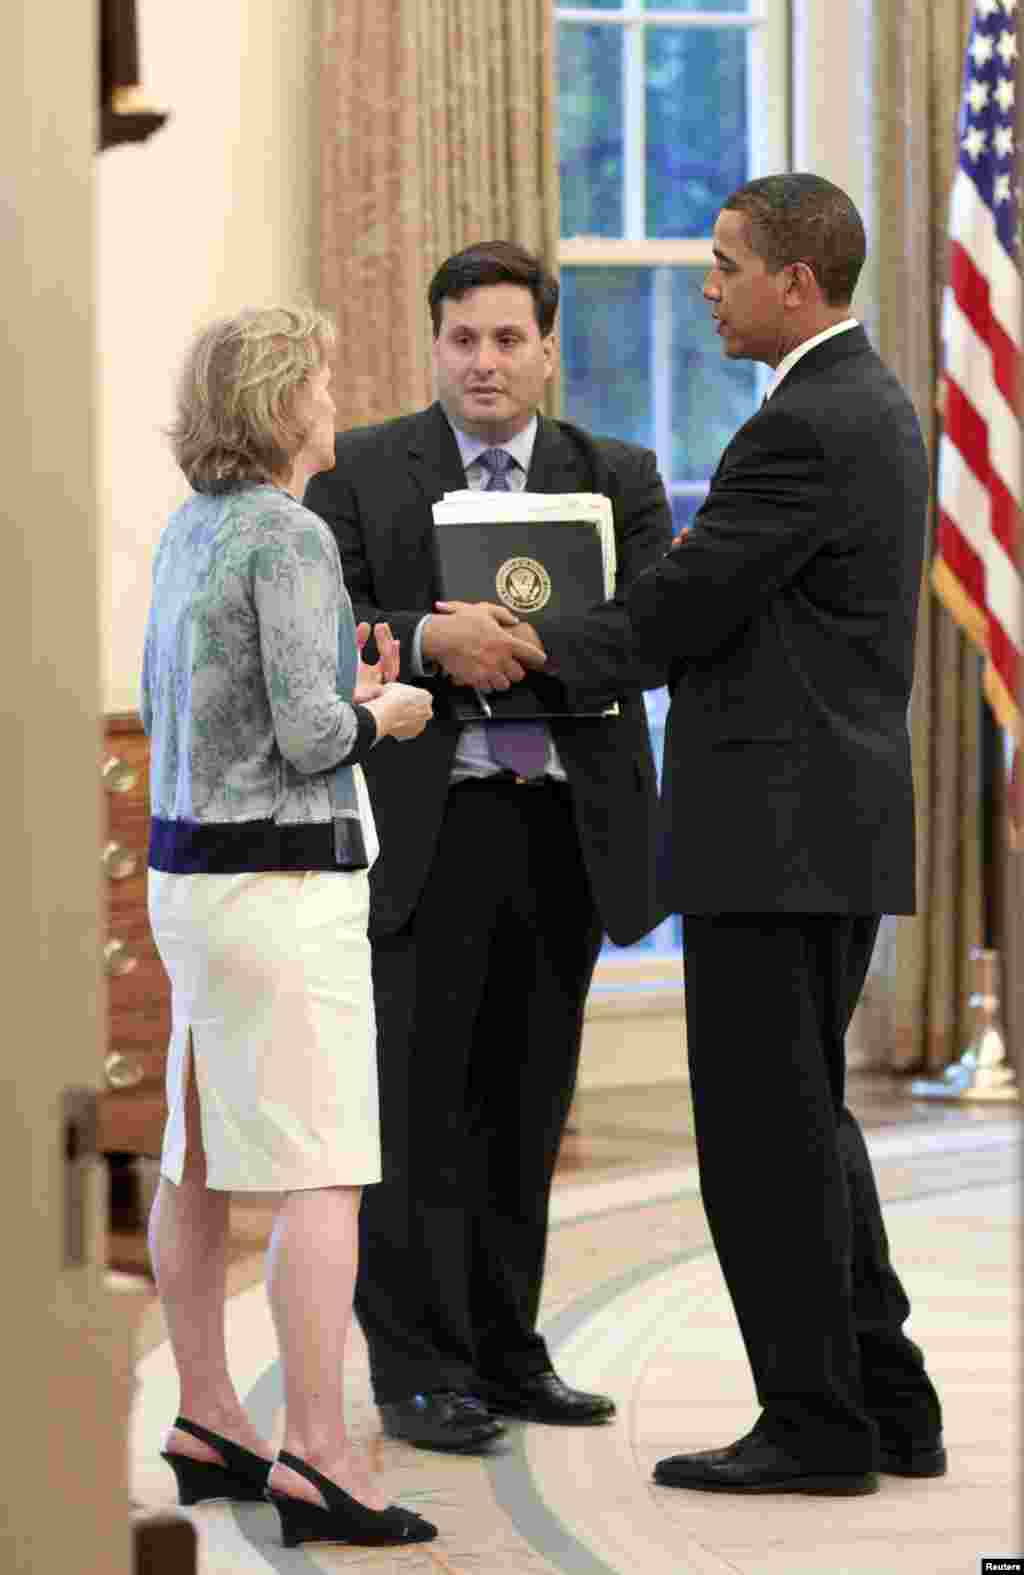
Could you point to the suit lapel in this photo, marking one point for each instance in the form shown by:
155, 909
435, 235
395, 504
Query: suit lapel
841, 347
851, 342
556, 465
435, 464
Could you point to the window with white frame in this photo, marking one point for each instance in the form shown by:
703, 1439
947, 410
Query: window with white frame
664, 108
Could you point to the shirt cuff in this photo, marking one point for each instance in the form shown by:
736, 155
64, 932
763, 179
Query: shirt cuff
421, 668
366, 737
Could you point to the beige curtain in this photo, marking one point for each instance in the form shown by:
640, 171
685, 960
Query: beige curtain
437, 131
919, 63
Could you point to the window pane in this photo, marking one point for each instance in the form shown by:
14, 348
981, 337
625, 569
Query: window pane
606, 351
666, 940
711, 396
696, 126
684, 506
590, 129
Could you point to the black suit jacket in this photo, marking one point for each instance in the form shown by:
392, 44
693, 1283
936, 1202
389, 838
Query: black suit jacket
787, 615
377, 501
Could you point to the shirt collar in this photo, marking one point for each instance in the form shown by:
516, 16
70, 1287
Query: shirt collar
789, 361
520, 446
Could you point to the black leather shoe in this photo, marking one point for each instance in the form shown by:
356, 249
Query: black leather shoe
441, 1419
756, 1465
542, 1397
914, 1460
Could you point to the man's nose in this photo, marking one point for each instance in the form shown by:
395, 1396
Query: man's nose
711, 290
485, 356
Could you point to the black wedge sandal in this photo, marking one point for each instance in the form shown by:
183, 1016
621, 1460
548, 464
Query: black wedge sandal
243, 1475
344, 1519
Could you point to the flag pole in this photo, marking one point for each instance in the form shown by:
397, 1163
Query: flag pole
983, 1074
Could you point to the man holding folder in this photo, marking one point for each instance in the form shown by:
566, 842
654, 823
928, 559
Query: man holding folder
506, 851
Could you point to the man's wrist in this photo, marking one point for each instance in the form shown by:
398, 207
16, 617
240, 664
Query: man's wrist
421, 660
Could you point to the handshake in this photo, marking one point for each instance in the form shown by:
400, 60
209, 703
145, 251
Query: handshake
478, 644
481, 645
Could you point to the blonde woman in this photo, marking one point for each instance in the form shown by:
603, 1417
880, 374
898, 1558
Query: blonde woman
259, 709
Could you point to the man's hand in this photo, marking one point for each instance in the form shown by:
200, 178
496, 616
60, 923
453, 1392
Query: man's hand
372, 676
481, 645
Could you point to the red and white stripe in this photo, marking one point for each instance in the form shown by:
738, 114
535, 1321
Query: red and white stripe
979, 495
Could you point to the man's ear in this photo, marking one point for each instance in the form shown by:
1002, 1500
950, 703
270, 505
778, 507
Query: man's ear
801, 285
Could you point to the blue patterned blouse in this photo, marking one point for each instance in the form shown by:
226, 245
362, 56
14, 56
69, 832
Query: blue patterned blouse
239, 686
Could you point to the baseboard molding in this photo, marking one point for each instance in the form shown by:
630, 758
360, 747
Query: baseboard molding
634, 1026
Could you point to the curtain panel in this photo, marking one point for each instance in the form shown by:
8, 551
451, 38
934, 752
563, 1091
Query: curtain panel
437, 131
919, 55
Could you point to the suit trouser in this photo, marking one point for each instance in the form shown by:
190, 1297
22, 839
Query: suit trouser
479, 1010
788, 1188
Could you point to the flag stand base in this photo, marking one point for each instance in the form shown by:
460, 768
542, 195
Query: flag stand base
982, 1075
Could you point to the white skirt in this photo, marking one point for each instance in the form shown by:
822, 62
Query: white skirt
270, 975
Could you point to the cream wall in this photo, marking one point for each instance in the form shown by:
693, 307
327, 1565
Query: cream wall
217, 211
833, 113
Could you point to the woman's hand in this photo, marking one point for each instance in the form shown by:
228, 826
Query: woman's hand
401, 711
372, 676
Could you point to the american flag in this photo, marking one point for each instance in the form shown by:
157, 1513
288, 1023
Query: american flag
977, 570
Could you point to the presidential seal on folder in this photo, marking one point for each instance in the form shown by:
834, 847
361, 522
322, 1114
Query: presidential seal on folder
524, 585
544, 556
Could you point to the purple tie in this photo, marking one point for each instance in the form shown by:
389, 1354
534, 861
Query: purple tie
521, 747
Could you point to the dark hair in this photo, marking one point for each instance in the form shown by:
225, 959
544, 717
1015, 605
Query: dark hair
804, 218
494, 262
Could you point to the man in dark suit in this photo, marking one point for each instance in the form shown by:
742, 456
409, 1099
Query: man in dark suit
495, 880
786, 617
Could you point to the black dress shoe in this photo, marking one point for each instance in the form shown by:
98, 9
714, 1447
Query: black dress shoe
913, 1460
542, 1397
756, 1465
440, 1419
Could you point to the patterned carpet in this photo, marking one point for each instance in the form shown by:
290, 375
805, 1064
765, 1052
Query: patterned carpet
635, 1306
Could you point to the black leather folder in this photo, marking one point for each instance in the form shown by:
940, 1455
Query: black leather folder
541, 570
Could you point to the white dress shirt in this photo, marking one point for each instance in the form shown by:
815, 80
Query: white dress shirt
472, 756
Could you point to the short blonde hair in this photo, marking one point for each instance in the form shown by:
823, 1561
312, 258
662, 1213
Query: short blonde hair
235, 422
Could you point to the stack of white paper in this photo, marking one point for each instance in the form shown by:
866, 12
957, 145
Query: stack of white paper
515, 507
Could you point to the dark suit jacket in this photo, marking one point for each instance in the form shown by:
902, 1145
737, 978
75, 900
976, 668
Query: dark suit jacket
787, 616
378, 502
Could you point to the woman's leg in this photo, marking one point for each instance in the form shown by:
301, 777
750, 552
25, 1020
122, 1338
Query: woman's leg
311, 1268
188, 1248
